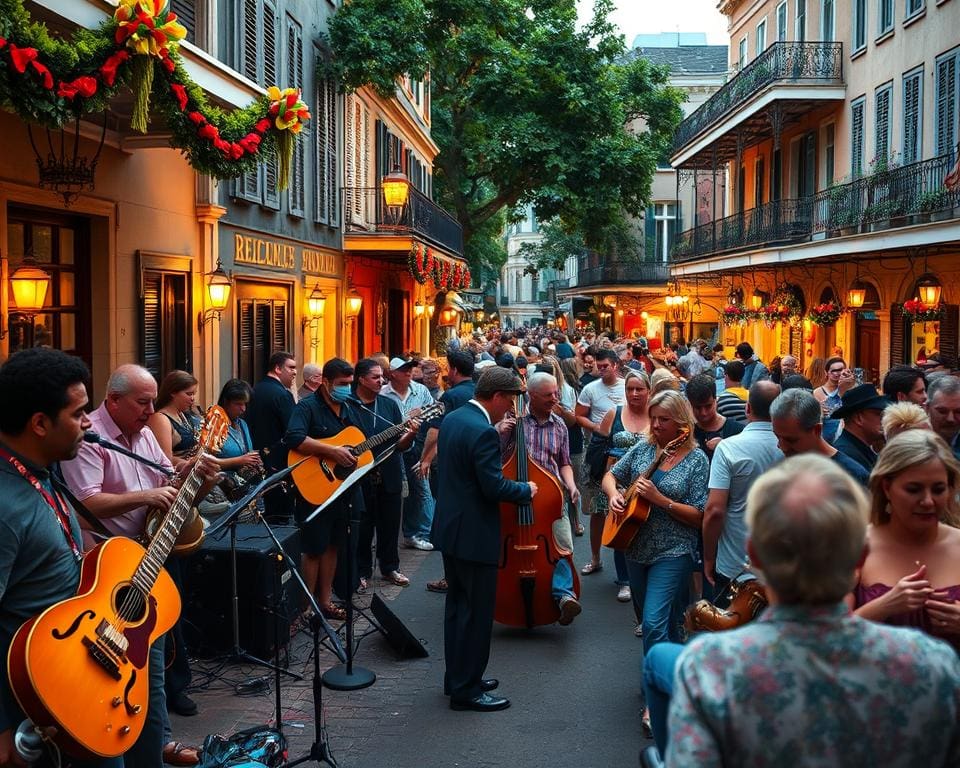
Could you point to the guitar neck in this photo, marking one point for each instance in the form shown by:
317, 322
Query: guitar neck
380, 439
166, 536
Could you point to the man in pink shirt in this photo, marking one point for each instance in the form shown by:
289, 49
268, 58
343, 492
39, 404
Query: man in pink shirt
118, 491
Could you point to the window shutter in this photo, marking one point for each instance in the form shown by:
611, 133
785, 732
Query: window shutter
881, 141
271, 23
949, 335
333, 208
650, 235
296, 193
856, 139
897, 335
946, 105
279, 326
322, 211
186, 11
250, 27
911, 117
261, 338
152, 328
245, 368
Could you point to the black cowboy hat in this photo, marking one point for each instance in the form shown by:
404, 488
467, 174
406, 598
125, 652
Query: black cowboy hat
861, 398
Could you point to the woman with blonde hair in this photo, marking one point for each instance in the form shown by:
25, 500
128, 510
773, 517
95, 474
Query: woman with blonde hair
899, 417
663, 380
816, 372
911, 574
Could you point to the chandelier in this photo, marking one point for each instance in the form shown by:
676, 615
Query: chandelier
62, 168
678, 303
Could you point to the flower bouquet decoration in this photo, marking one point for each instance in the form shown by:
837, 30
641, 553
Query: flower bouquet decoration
825, 314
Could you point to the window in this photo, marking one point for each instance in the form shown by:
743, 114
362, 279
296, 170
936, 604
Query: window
782, 22
758, 183
776, 174
165, 324
356, 171
912, 120
859, 25
829, 154
914, 7
884, 16
295, 191
325, 124
881, 126
945, 130
827, 23
664, 216
743, 54
261, 330
856, 137
761, 37
800, 24
257, 59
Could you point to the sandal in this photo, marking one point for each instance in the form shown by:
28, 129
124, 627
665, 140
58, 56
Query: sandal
301, 622
335, 612
176, 753
578, 529
591, 568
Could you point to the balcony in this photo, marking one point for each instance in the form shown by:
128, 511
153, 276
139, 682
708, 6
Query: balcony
371, 225
790, 74
594, 270
886, 199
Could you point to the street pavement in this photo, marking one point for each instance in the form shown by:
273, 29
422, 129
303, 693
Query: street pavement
575, 691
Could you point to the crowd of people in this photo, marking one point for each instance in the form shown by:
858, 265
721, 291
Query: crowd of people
841, 498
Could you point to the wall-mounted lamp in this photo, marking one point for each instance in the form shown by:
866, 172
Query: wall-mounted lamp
316, 304
757, 298
218, 293
353, 304
856, 294
419, 309
396, 192
29, 285
431, 309
928, 289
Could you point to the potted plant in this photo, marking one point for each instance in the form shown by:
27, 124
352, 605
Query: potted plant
842, 218
915, 311
825, 314
934, 204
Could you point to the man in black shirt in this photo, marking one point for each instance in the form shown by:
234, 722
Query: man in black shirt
267, 416
862, 412
314, 419
711, 427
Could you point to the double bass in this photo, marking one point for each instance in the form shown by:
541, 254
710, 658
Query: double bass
528, 551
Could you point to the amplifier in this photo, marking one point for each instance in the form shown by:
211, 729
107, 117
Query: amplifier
207, 595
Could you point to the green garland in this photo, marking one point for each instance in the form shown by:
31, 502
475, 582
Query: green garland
49, 81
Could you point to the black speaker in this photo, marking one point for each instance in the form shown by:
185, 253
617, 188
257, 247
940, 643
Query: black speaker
207, 612
400, 638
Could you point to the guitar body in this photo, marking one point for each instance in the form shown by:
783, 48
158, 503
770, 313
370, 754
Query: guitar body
318, 478
70, 668
621, 529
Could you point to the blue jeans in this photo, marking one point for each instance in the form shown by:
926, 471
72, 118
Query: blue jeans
620, 564
658, 668
562, 579
661, 591
418, 508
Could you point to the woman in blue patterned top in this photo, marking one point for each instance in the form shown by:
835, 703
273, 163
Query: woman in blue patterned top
661, 558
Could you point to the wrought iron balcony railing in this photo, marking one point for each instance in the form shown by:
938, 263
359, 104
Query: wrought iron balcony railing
886, 198
805, 63
593, 270
365, 211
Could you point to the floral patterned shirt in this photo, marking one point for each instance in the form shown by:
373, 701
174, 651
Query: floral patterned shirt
664, 536
815, 686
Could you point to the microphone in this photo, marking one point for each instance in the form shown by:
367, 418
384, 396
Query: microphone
27, 743
94, 437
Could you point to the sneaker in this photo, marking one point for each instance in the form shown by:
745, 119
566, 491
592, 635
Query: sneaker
624, 595
422, 544
569, 610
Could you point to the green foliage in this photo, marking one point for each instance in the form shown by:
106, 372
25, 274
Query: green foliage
526, 109
553, 249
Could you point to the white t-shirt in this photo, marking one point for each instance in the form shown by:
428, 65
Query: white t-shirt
600, 398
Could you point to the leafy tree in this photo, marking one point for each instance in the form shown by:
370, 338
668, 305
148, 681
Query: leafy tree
526, 108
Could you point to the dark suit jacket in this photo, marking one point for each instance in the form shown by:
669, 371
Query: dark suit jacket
472, 485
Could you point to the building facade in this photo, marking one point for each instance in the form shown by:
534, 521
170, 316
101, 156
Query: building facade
837, 133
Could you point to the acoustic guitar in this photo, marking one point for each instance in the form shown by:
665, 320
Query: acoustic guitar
619, 529
81, 666
317, 479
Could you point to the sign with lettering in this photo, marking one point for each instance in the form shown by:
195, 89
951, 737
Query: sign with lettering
286, 256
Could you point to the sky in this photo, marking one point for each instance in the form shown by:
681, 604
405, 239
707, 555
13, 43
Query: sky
652, 16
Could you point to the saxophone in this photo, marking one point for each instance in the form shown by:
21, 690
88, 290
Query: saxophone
748, 599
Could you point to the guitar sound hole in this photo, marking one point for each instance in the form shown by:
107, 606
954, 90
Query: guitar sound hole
130, 604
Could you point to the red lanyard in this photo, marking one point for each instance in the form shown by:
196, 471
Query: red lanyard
56, 503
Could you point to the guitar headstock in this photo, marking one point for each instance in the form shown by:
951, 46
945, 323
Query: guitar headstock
431, 411
213, 431
674, 445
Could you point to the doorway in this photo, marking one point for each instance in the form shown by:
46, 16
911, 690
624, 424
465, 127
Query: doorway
868, 349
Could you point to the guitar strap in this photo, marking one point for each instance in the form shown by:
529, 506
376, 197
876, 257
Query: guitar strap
56, 478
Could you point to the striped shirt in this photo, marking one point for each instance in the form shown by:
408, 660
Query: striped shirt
548, 443
732, 406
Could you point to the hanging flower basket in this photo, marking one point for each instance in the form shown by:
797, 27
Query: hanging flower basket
737, 314
915, 311
825, 314
772, 314
786, 298
417, 262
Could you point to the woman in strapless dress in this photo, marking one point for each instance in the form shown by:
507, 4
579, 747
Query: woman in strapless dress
911, 573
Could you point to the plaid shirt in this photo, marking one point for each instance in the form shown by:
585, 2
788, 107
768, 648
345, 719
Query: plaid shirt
548, 443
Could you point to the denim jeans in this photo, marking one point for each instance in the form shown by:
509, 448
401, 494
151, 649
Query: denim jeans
620, 564
658, 668
661, 591
418, 508
562, 579
147, 752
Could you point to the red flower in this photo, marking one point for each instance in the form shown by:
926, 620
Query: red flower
109, 68
181, 95
20, 57
197, 118
250, 143
44, 73
262, 126
209, 132
3, 42
236, 151
83, 86
168, 64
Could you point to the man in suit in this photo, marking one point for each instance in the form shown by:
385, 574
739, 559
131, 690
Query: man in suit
467, 532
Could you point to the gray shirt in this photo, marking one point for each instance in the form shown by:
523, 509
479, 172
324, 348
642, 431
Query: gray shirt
600, 398
737, 463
